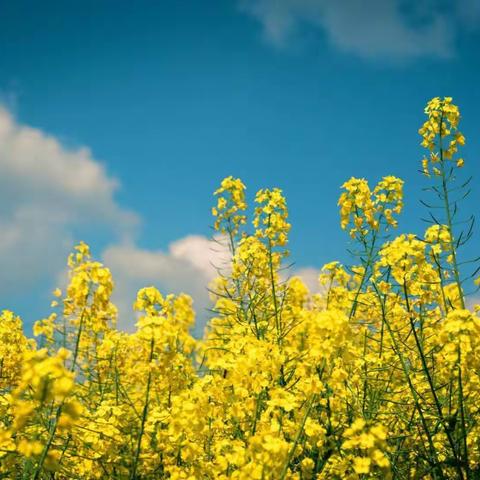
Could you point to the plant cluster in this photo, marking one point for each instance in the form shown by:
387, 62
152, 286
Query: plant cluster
375, 376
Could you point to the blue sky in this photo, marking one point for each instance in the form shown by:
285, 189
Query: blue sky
169, 97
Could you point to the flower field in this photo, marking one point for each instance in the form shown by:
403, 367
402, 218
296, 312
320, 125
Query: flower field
375, 376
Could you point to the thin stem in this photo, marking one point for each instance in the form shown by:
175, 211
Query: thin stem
301, 427
133, 474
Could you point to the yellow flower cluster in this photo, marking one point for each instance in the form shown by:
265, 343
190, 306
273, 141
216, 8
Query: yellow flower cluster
362, 452
440, 135
365, 210
377, 375
230, 205
271, 217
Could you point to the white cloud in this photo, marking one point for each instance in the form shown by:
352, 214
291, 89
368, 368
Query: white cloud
35, 169
309, 277
46, 191
391, 29
472, 301
188, 266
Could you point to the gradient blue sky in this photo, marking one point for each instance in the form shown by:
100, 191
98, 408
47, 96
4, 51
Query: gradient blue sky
171, 96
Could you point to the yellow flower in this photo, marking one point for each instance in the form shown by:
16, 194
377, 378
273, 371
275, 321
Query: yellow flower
361, 465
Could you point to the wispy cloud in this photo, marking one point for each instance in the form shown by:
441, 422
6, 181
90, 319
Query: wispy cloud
188, 266
385, 29
473, 301
46, 191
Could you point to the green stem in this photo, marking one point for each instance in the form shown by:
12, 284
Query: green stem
396, 348
133, 474
301, 427
433, 391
